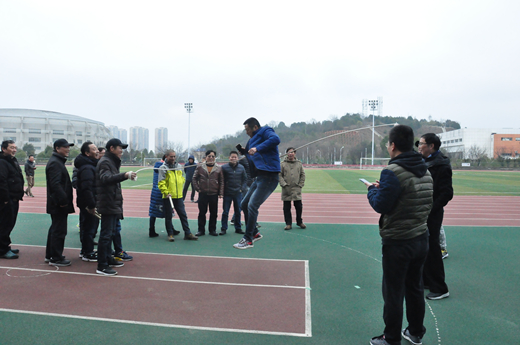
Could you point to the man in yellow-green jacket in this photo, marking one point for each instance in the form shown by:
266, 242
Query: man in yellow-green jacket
171, 183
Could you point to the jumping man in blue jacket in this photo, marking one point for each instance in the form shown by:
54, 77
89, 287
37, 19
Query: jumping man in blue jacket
264, 161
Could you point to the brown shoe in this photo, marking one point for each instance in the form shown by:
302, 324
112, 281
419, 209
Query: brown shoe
191, 237
303, 226
288, 227
171, 238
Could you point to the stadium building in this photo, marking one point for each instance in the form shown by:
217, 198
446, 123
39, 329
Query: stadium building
41, 128
472, 142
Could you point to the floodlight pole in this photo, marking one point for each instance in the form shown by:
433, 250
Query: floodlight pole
188, 107
373, 106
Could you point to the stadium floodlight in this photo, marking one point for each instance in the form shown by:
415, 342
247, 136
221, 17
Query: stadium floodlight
188, 107
373, 104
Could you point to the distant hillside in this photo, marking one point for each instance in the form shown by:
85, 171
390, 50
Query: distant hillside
351, 146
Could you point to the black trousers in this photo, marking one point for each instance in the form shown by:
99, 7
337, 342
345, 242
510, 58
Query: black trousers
434, 276
8, 215
403, 263
208, 201
56, 237
185, 190
287, 212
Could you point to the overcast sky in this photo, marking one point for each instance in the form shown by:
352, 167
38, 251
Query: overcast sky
135, 63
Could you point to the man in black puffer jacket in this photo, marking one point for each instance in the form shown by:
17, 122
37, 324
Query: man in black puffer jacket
235, 183
109, 202
85, 164
440, 168
59, 202
11, 192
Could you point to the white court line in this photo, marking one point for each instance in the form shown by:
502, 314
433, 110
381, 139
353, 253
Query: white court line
170, 254
156, 279
154, 324
308, 314
373, 258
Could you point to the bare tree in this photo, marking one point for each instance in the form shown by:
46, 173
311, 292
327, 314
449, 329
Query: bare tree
476, 154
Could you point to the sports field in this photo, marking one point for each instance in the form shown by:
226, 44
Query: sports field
321, 285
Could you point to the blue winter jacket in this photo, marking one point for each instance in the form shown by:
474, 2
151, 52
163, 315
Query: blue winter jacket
189, 168
156, 203
267, 157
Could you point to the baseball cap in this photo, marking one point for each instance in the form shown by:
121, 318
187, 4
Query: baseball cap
62, 143
115, 142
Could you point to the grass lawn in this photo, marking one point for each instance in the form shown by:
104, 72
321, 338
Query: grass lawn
346, 181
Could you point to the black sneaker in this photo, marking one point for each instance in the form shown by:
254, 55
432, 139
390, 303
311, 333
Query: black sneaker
437, 295
411, 338
379, 341
92, 257
239, 231
61, 263
106, 271
175, 232
115, 263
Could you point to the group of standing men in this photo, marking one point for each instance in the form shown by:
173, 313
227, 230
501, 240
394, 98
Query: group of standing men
245, 183
99, 196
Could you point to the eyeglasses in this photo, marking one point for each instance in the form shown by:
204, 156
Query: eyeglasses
211, 156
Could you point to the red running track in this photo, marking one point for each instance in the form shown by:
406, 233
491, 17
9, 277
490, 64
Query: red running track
332, 208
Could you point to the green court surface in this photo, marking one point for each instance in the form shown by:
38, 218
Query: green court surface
345, 277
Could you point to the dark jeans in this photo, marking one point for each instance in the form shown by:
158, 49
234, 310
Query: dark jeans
226, 205
88, 225
260, 190
208, 201
434, 276
56, 237
185, 190
116, 238
8, 215
403, 263
287, 212
108, 228
178, 204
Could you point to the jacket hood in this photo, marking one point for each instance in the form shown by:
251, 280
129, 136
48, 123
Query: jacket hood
82, 160
437, 159
191, 157
411, 161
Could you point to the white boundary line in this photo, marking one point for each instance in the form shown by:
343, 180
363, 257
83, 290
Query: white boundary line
307, 288
153, 323
308, 317
171, 254
157, 279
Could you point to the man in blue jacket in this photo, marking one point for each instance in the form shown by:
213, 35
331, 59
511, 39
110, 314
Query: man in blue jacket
264, 162
403, 197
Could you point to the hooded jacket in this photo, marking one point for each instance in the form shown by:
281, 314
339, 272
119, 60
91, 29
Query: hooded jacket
267, 156
189, 168
404, 198
292, 179
11, 179
59, 187
440, 168
209, 183
108, 185
86, 181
